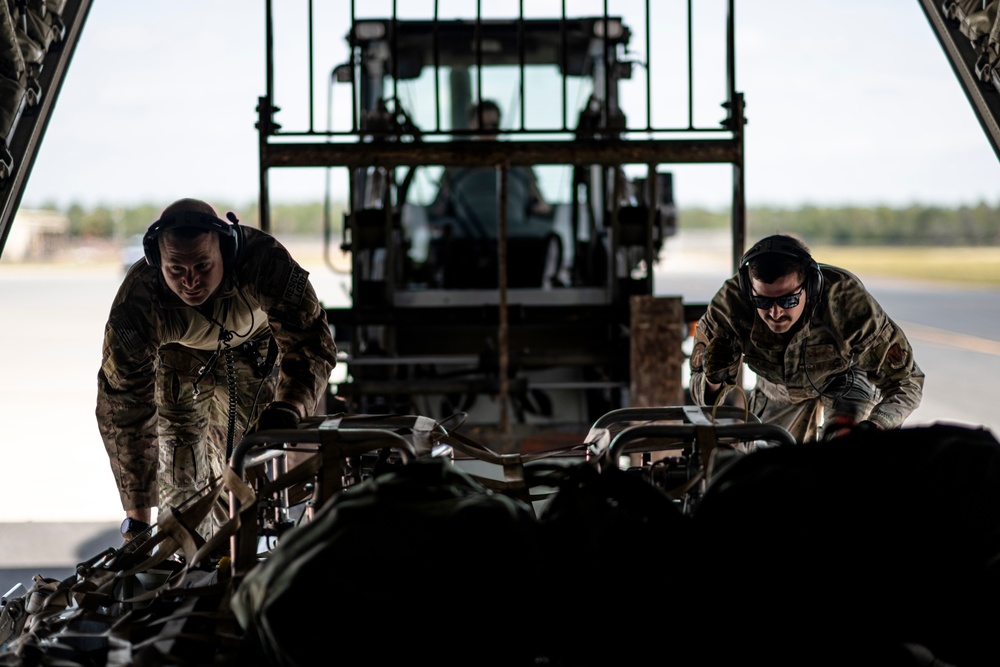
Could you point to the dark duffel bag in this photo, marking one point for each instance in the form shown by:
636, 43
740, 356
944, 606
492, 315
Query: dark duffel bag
617, 552
421, 563
878, 548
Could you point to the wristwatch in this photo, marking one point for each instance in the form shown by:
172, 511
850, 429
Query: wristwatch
133, 526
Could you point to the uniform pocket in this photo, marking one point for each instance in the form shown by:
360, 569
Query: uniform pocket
185, 466
775, 372
177, 369
824, 359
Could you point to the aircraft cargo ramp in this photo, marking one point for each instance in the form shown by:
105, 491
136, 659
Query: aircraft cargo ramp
37, 41
969, 33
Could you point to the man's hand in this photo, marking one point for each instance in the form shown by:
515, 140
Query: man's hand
867, 425
838, 427
720, 355
278, 415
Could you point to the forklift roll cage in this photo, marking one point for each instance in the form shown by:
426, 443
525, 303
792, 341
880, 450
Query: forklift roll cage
399, 325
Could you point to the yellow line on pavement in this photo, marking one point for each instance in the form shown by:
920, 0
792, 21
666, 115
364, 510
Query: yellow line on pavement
950, 338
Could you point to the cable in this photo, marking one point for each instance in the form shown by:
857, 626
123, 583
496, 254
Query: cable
850, 388
231, 380
205, 370
225, 316
725, 389
225, 348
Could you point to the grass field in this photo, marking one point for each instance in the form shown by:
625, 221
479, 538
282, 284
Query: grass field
973, 266
979, 266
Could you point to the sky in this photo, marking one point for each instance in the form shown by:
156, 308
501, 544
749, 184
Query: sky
849, 102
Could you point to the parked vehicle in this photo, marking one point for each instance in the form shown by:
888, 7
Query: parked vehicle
131, 252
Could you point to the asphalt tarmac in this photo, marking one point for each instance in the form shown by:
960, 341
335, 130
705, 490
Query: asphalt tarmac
51, 550
58, 504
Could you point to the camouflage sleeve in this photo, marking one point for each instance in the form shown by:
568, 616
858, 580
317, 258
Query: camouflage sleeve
298, 323
698, 381
881, 349
718, 320
126, 411
888, 360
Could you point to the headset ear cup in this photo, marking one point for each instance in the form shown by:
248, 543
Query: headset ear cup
151, 248
230, 245
743, 270
237, 243
815, 284
226, 246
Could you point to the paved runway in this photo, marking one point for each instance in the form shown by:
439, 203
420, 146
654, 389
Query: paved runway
50, 549
58, 504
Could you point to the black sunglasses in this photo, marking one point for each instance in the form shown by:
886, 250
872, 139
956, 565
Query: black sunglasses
784, 302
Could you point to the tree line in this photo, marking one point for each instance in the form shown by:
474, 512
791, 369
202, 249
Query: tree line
914, 225
121, 221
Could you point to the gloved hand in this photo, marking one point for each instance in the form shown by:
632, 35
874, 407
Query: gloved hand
720, 354
837, 427
841, 426
278, 415
866, 425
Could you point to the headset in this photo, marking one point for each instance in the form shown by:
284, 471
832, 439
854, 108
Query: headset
813, 286
230, 234
783, 246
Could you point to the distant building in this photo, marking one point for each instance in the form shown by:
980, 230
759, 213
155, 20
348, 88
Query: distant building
34, 235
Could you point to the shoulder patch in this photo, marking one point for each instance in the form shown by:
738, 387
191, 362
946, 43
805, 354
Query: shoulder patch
896, 356
278, 276
295, 287
698, 358
125, 329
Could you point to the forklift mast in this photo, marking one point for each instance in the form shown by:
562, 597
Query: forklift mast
508, 196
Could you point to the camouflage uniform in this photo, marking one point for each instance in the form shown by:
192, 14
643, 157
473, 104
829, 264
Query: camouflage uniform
849, 359
163, 399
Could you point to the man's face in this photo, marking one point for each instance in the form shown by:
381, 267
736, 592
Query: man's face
778, 319
192, 267
491, 123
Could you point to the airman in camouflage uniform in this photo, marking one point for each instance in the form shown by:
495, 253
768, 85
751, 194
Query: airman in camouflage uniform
839, 361
185, 358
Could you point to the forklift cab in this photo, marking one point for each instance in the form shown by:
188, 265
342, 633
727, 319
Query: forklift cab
475, 195
464, 221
